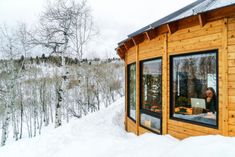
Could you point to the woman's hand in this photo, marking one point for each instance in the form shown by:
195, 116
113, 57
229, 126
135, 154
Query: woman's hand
208, 99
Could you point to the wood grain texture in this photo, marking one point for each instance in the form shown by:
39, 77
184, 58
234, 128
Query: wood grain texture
137, 90
131, 126
217, 33
231, 76
224, 62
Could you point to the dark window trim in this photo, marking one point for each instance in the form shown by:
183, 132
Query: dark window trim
216, 51
128, 94
150, 113
155, 114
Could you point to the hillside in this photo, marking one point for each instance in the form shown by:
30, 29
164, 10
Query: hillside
101, 134
29, 93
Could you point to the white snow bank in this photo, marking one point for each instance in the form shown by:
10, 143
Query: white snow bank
102, 135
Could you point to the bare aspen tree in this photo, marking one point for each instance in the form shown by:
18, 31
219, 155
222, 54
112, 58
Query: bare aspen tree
83, 27
54, 32
59, 25
23, 38
44, 105
21, 111
8, 47
13, 43
24, 46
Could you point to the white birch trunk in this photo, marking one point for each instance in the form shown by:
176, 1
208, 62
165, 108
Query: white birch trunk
61, 90
5, 125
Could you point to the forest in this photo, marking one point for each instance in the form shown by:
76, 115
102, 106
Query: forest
49, 89
29, 92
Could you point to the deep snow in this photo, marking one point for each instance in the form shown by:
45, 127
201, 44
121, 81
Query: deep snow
101, 134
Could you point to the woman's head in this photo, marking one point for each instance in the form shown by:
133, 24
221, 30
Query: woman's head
210, 92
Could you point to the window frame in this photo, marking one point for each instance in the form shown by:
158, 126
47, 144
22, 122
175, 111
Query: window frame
144, 111
214, 51
128, 93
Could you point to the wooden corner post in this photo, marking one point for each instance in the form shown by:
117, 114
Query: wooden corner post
126, 90
165, 105
224, 117
137, 89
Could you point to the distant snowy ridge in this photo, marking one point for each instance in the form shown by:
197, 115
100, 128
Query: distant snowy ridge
102, 134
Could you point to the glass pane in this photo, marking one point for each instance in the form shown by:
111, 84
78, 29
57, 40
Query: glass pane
150, 122
132, 91
151, 88
194, 93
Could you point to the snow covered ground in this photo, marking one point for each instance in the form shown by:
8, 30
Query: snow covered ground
102, 135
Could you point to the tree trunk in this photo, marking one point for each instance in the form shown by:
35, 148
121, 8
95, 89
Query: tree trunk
58, 120
21, 118
5, 126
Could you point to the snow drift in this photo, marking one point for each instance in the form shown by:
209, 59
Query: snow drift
102, 134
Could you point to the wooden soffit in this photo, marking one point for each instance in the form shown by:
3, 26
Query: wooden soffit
172, 27
138, 39
202, 19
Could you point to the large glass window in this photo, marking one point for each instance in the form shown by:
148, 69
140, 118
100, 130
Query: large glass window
132, 91
194, 87
151, 94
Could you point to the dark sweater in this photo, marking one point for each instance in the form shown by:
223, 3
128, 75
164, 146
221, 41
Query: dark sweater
211, 106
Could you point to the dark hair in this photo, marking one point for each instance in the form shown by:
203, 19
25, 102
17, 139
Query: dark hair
213, 91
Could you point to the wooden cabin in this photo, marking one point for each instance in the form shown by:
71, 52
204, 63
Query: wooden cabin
180, 72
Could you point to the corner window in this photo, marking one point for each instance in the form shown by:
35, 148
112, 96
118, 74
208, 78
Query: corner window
131, 91
194, 88
151, 94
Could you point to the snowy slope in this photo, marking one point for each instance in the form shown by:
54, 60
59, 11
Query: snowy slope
102, 135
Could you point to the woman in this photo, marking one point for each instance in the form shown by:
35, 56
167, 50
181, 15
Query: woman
211, 102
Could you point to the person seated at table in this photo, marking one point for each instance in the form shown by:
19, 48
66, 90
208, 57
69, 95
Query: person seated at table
211, 100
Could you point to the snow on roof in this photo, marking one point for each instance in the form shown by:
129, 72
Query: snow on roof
204, 6
197, 7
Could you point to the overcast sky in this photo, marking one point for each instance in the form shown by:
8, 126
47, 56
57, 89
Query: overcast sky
115, 19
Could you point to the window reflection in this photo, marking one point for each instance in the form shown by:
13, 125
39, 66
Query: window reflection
132, 91
194, 87
151, 122
152, 86
151, 94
